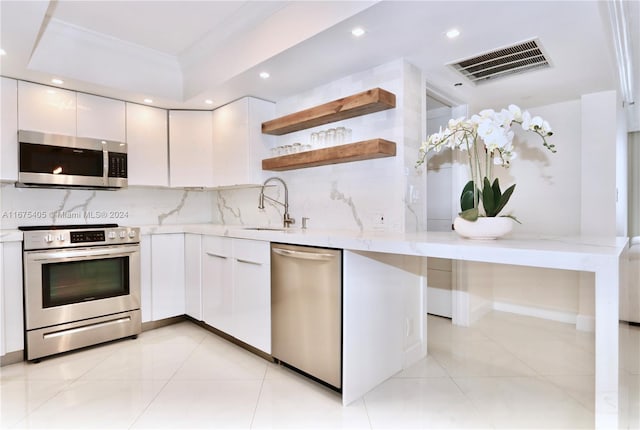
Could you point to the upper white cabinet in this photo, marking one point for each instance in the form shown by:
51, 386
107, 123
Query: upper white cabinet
190, 149
238, 143
46, 109
147, 142
9, 130
100, 118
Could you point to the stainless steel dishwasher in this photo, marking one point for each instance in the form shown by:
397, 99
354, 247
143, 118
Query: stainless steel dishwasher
306, 310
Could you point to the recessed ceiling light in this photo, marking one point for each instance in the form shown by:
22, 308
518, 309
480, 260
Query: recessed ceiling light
148, 101
453, 33
264, 75
358, 31
3, 52
57, 81
209, 101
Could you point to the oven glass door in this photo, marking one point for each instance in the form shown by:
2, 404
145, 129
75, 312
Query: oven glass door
81, 281
66, 285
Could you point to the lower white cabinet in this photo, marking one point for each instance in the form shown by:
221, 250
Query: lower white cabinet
217, 283
236, 289
167, 276
252, 293
193, 275
11, 313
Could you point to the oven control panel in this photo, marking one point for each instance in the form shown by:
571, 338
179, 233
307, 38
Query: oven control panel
76, 237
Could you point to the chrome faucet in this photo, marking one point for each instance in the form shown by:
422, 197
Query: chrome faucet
286, 218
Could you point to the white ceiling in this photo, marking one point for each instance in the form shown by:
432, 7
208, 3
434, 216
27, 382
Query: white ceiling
182, 52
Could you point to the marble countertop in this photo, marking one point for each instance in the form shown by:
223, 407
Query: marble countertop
562, 252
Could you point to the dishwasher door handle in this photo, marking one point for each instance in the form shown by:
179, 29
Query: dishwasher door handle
318, 256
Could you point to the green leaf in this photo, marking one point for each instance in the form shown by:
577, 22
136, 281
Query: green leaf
505, 198
497, 194
467, 200
487, 199
469, 214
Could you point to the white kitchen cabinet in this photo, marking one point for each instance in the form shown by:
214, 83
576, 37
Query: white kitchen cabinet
167, 276
193, 275
46, 109
236, 289
217, 283
147, 141
252, 293
238, 143
190, 149
11, 313
145, 277
100, 118
9, 130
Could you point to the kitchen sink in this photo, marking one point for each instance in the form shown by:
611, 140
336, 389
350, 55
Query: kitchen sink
265, 228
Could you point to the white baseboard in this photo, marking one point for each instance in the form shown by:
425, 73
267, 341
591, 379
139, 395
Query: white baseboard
582, 322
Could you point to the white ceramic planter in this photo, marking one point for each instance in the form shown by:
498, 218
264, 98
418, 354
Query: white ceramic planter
483, 227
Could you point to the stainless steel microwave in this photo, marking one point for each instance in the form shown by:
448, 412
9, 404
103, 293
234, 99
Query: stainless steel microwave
53, 160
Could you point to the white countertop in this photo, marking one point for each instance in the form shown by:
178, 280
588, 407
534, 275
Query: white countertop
562, 252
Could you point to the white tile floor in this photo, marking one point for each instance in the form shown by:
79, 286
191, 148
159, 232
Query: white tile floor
506, 371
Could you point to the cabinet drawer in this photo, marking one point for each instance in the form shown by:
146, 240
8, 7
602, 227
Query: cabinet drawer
216, 246
252, 251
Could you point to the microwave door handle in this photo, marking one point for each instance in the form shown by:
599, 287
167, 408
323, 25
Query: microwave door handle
105, 167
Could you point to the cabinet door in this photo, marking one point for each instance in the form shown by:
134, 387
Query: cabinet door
192, 275
11, 301
46, 109
190, 149
9, 130
167, 276
147, 143
238, 143
217, 283
100, 118
252, 293
145, 278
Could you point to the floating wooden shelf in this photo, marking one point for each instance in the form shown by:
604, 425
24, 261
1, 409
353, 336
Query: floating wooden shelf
363, 103
365, 150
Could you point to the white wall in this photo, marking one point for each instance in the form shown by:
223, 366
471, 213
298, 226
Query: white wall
351, 196
571, 192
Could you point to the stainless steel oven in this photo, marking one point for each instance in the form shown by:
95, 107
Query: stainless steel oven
81, 286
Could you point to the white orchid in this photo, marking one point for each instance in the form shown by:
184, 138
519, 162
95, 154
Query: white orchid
488, 138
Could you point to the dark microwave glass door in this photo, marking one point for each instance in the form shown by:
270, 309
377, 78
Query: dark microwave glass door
35, 158
83, 281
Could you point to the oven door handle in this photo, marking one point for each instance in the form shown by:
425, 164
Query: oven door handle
84, 253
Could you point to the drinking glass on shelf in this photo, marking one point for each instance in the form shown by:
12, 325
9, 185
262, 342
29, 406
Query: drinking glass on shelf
322, 138
340, 135
330, 138
313, 140
296, 147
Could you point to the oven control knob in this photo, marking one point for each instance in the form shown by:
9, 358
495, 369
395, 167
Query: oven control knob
60, 237
123, 234
132, 234
48, 238
112, 235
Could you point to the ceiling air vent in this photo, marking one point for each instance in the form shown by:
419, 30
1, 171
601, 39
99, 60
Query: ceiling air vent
503, 62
